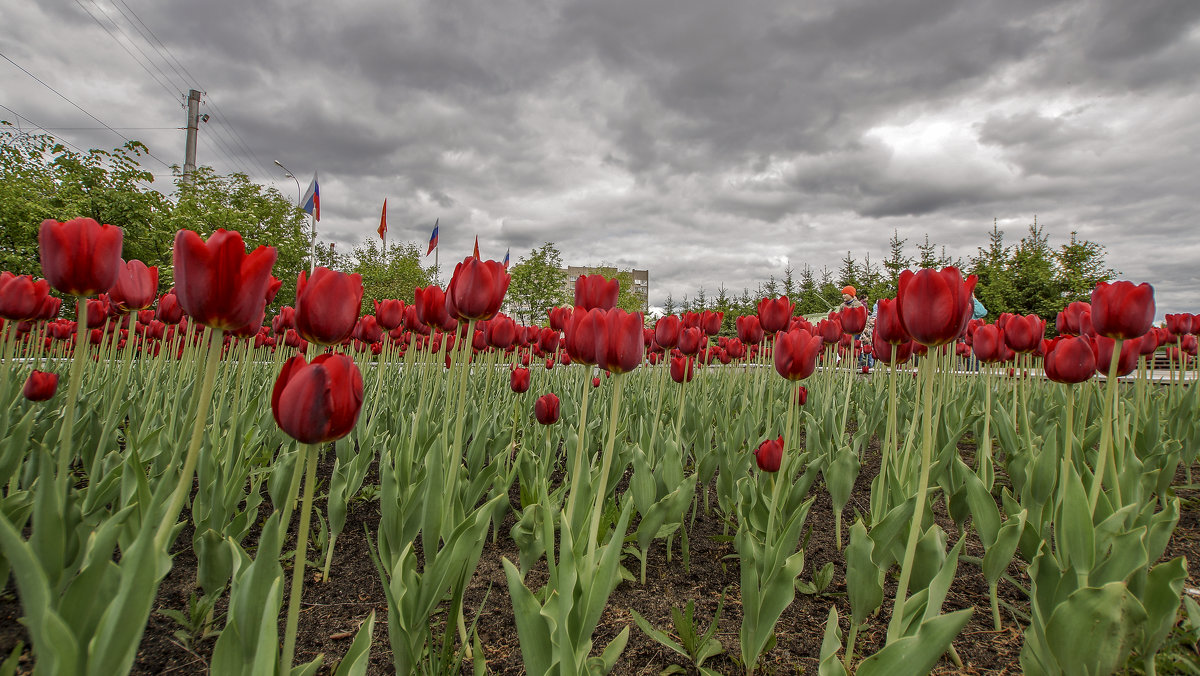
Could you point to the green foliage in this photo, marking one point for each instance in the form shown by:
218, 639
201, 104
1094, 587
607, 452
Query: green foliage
396, 275
537, 285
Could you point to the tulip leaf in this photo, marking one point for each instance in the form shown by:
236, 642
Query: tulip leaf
1074, 532
863, 583
830, 645
918, 653
1093, 631
358, 656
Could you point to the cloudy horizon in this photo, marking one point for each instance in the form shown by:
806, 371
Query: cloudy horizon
707, 142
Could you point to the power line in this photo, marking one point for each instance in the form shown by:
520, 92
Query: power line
122, 45
148, 39
79, 107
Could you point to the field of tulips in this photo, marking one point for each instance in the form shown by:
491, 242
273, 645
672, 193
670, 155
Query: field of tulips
435, 489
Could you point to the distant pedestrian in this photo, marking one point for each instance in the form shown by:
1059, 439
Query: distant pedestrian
850, 297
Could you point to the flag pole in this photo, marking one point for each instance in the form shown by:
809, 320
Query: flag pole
312, 251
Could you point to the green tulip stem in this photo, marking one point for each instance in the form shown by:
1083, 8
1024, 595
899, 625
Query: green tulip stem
66, 439
454, 463
203, 400
654, 421
849, 387
576, 476
910, 549
299, 562
679, 412
850, 638
605, 466
784, 466
1069, 435
1106, 432
986, 441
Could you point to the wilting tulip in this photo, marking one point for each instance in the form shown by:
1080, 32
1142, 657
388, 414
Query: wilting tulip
546, 409
476, 291
689, 340
389, 313
796, 354
888, 324
1069, 360
40, 386
596, 292
318, 402
136, 287
619, 344
666, 331
217, 283
750, 330
769, 455
327, 305
935, 305
682, 368
22, 298
710, 322
1122, 310
853, 319
519, 380
1068, 321
774, 313
80, 257
1024, 333
559, 318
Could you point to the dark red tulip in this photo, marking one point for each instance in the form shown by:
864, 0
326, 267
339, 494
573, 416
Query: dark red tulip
1067, 322
97, 312
389, 313
619, 344
888, 324
1188, 344
682, 368
546, 409
145, 316
853, 319
327, 305
273, 286
1103, 347
750, 329
1148, 343
564, 358
477, 289
40, 386
286, 319
1069, 360
318, 402
962, 349
22, 298
431, 308
367, 330
169, 310
796, 354
888, 353
502, 332
559, 318
774, 313
580, 337
80, 257
1122, 310
666, 331
136, 287
935, 305
412, 320
689, 340
1179, 324
989, 344
830, 330
548, 340
769, 455
801, 395
1023, 334
596, 292
736, 348
710, 322
519, 380
596, 381
690, 320
217, 283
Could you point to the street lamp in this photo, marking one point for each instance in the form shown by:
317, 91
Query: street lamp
312, 251
288, 172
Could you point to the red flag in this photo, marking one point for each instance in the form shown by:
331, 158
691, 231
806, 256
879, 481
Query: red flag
476, 247
383, 220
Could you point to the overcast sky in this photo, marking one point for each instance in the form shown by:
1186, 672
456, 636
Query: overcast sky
707, 141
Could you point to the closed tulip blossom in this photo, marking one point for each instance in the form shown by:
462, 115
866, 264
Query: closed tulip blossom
169, 310
935, 305
801, 395
796, 354
853, 319
830, 330
1023, 333
1068, 322
327, 305
1069, 360
502, 332
22, 298
710, 322
548, 340
559, 318
666, 331
40, 386
80, 257
518, 380
431, 308
217, 283
774, 313
750, 330
888, 324
596, 382
769, 455
581, 333
546, 409
320, 401
682, 369
368, 330
690, 340
619, 344
136, 287
989, 344
1122, 310
594, 292
1103, 347
476, 291
1188, 344
389, 313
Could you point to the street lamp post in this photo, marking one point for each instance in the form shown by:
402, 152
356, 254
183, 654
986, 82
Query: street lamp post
312, 250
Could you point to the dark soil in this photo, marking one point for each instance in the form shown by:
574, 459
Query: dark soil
332, 611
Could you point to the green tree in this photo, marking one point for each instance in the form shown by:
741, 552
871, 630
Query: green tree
537, 285
896, 262
1080, 267
848, 273
927, 254
789, 281
669, 307
1034, 290
990, 265
395, 276
808, 299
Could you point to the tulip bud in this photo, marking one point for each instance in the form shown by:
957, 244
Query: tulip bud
546, 409
40, 386
769, 455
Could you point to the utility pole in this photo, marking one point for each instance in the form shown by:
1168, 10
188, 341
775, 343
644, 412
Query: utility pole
193, 128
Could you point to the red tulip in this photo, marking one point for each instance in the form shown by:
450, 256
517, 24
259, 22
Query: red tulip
619, 344
80, 257
1122, 310
389, 313
318, 402
412, 320
136, 287
502, 332
801, 395
431, 308
854, 319
710, 322
367, 329
559, 318
1188, 344
548, 340
666, 331
935, 306
1068, 321
682, 368
580, 337
595, 292
477, 289
888, 353
1103, 347
1024, 333
750, 329
689, 340
830, 330
1069, 360
769, 455
989, 344
888, 324
519, 380
217, 283
736, 348
327, 305
596, 382
22, 298
774, 313
796, 354
962, 350
546, 409
40, 386
169, 310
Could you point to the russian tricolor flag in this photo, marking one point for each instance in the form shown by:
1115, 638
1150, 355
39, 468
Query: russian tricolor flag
506, 256
311, 202
433, 238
